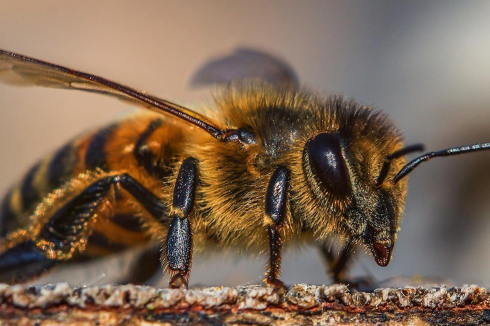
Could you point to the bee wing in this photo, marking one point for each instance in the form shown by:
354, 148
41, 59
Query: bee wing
246, 63
18, 69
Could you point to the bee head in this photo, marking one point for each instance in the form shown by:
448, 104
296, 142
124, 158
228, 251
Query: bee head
359, 204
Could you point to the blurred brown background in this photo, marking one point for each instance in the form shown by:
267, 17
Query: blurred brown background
427, 64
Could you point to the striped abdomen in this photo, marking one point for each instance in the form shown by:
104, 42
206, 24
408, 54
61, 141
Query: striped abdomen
143, 146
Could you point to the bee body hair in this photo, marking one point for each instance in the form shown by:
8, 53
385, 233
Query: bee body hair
277, 165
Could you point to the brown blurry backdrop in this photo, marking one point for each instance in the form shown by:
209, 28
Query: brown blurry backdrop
427, 64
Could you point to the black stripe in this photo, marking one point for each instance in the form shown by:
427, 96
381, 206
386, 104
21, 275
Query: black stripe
30, 196
61, 167
155, 166
98, 239
8, 219
128, 222
96, 155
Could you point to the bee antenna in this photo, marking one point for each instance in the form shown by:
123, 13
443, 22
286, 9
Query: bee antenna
409, 167
386, 165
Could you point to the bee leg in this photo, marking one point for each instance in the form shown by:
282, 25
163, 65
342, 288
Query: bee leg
178, 251
275, 210
337, 264
23, 261
69, 224
57, 239
66, 231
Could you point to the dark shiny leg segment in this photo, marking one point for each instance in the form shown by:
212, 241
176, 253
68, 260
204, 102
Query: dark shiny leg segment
179, 237
275, 209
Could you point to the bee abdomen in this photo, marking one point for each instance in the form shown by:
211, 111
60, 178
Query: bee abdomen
8, 215
103, 150
62, 166
145, 157
41, 179
95, 156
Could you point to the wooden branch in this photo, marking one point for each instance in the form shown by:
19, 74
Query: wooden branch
60, 304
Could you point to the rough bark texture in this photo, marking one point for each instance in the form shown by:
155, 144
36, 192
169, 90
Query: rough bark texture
251, 305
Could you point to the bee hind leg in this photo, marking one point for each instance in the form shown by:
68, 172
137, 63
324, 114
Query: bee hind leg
22, 262
178, 252
275, 210
337, 264
62, 234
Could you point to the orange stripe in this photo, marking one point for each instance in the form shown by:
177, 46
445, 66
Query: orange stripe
117, 234
96, 251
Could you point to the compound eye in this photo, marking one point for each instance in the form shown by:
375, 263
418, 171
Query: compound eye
327, 163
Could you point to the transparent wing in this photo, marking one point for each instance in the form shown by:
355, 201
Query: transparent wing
246, 63
21, 70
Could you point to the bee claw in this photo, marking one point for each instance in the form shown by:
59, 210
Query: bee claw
178, 281
277, 284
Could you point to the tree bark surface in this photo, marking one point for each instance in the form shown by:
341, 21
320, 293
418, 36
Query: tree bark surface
59, 304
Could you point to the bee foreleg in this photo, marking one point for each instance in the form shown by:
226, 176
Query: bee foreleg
275, 210
178, 253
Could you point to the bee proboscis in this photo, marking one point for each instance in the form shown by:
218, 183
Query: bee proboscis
277, 164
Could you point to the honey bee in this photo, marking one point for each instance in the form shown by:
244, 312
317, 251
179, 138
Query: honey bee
277, 164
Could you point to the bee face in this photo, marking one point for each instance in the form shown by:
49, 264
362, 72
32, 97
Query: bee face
378, 224
341, 169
